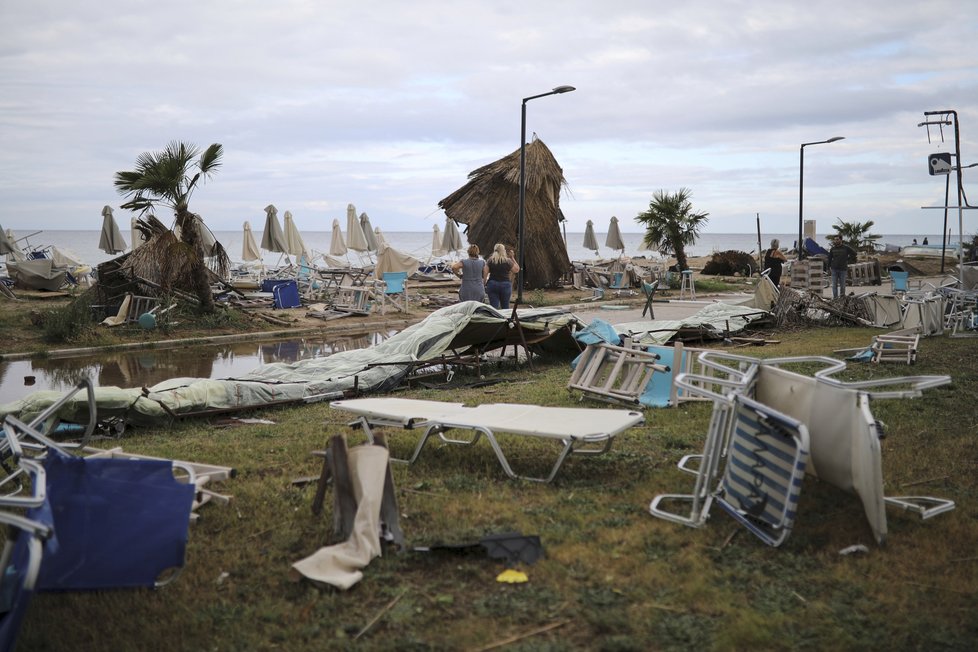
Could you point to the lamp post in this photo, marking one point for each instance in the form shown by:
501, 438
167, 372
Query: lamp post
801, 186
519, 226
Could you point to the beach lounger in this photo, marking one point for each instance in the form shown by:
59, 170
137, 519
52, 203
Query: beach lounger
844, 447
579, 431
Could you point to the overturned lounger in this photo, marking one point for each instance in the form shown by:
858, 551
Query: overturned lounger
582, 431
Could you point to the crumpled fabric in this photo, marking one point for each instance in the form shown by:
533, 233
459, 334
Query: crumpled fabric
339, 565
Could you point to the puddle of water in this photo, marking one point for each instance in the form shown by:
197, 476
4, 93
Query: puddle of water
148, 367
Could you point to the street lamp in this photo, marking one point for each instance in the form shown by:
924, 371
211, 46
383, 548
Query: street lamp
519, 226
801, 187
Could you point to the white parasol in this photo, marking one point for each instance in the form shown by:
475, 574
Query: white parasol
272, 239
6, 243
392, 260
110, 241
337, 246
379, 237
614, 240
437, 247
452, 242
293, 241
590, 241
249, 248
355, 239
368, 232
137, 237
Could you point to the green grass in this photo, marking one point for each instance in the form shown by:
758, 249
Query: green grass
614, 577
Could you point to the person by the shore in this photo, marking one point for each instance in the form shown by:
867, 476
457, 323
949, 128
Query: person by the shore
839, 257
474, 274
774, 260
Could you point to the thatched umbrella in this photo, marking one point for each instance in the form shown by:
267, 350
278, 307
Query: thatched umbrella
452, 241
272, 239
110, 240
489, 205
613, 240
249, 248
590, 240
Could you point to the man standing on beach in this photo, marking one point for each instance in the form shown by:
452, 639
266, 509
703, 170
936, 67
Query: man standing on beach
839, 256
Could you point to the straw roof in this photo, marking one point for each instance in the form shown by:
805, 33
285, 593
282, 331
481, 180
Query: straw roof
489, 205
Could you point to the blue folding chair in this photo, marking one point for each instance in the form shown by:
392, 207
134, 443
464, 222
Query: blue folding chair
899, 283
394, 287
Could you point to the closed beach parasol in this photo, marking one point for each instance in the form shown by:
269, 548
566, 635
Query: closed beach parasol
590, 241
293, 241
368, 232
437, 248
110, 241
452, 242
6, 244
614, 240
354, 234
379, 237
337, 246
249, 249
272, 239
135, 235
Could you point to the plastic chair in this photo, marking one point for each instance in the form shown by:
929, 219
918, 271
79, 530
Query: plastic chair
899, 282
619, 283
394, 286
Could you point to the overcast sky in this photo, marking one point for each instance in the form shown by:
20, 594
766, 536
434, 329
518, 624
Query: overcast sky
390, 105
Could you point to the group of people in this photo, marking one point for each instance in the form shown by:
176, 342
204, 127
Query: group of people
840, 255
492, 277
924, 242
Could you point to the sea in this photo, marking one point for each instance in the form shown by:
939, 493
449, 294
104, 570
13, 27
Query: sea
82, 246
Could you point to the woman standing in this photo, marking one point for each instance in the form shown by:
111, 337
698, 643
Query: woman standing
500, 284
474, 273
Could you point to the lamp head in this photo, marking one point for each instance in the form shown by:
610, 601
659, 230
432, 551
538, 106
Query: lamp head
835, 138
564, 89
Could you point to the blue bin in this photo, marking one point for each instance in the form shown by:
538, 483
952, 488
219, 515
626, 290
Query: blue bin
286, 295
269, 284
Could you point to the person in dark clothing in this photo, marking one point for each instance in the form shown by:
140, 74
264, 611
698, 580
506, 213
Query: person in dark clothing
499, 287
925, 240
840, 255
774, 260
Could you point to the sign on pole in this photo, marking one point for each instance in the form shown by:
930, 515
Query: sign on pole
939, 163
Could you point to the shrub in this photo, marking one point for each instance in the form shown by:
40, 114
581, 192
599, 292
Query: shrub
67, 323
729, 263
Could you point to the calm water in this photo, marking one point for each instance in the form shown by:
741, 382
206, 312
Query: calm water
148, 367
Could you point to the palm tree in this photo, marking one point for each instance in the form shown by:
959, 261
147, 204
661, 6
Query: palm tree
671, 225
856, 234
169, 178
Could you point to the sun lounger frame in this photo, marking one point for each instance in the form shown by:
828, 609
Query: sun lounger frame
581, 434
833, 447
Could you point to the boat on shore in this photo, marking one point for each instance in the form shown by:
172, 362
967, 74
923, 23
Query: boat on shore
951, 250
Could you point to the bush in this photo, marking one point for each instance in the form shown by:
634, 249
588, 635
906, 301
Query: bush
68, 323
730, 263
